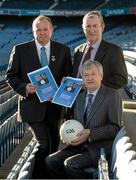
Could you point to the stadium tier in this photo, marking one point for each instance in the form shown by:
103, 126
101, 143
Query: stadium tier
16, 141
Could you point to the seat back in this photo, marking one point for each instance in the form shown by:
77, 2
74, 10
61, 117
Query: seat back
120, 134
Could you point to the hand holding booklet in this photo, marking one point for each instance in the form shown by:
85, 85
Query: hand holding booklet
67, 92
45, 82
47, 88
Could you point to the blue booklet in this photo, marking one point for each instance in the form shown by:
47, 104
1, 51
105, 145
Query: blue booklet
45, 82
67, 92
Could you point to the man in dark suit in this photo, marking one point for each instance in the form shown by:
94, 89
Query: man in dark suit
101, 117
43, 118
108, 54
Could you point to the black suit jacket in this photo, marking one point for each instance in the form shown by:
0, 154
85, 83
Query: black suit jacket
24, 58
112, 60
104, 121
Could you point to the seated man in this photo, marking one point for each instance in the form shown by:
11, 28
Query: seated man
99, 109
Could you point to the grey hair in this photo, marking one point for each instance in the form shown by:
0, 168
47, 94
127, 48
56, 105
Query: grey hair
91, 14
40, 18
88, 64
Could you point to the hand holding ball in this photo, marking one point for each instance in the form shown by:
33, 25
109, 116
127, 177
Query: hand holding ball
69, 130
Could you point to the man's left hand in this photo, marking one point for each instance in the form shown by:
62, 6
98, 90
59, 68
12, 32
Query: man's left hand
82, 136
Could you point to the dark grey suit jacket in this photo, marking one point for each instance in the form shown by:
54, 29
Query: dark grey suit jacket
112, 60
104, 120
24, 59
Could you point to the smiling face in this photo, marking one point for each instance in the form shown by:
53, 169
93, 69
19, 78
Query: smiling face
93, 28
92, 78
42, 31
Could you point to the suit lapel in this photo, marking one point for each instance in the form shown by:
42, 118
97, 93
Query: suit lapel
78, 58
97, 102
34, 55
53, 55
101, 51
81, 50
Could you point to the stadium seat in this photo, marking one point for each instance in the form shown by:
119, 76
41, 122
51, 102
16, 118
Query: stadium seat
123, 147
131, 169
23, 175
120, 134
123, 164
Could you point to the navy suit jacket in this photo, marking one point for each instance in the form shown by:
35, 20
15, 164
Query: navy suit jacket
24, 59
112, 60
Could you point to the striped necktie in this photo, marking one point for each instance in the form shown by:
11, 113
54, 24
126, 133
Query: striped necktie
88, 107
44, 61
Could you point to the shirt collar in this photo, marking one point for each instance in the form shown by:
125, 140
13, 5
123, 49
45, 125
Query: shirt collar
38, 45
94, 92
95, 45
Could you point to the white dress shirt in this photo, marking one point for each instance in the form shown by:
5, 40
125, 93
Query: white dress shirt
47, 49
93, 98
93, 54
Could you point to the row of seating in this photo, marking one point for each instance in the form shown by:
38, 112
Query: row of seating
8, 107
115, 4
31, 4
6, 95
11, 133
124, 146
77, 4
123, 161
131, 86
24, 166
122, 157
68, 5
70, 34
4, 88
122, 164
10, 35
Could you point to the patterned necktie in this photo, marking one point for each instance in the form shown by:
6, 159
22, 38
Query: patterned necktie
88, 54
44, 61
88, 107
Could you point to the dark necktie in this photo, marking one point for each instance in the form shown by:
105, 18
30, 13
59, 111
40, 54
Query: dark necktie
88, 107
44, 61
88, 54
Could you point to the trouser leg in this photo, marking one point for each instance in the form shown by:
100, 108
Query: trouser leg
67, 164
75, 165
53, 118
55, 163
41, 133
54, 135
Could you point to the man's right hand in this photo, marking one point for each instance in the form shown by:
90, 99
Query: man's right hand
30, 88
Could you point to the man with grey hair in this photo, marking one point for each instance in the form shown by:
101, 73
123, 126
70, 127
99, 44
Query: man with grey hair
43, 118
108, 54
99, 109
